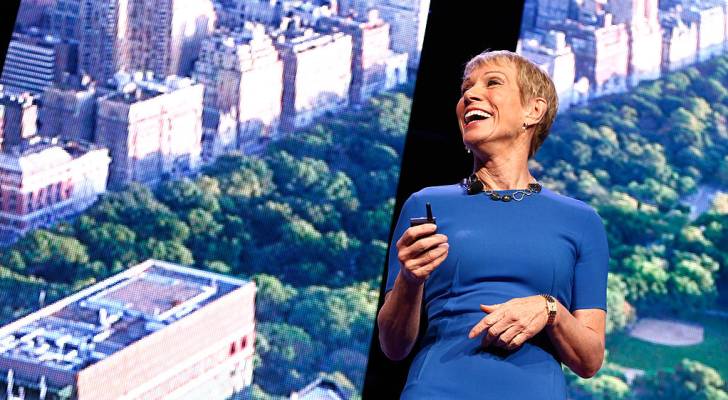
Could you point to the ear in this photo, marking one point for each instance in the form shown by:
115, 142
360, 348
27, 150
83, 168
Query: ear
535, 110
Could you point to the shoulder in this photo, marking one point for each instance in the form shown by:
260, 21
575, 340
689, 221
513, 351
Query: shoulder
567, 203
572, 209
443, 195
439, 192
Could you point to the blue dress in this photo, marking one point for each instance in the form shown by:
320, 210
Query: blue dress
546, 243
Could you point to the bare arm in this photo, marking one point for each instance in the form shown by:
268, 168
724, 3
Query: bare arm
399, 319
578, 338
419, 251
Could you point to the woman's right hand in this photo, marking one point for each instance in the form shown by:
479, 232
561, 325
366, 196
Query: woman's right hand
420, 250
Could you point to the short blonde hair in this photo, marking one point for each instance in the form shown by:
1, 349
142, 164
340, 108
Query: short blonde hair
532, 83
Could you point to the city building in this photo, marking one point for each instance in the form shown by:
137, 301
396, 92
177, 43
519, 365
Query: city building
645, 36
407, 19
63, 19
549, 13
18, 116
69, 109
43, 180
242, 72
618, 43
528, 19
192, 22
679, 40
374, 66
34, 61
162, 36
316, 73
155, 331
552, 54
601, 50
233, 14
152, 128
710, 18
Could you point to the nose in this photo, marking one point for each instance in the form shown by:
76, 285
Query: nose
470, 96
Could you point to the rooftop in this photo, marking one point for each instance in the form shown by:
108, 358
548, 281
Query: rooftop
108, 316
40, 153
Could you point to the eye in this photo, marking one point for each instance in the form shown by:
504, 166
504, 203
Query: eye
493, 82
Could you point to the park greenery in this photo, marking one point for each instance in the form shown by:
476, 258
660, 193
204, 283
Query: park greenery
308, 220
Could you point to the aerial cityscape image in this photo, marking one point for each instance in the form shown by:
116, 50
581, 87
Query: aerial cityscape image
196, 195
642, 137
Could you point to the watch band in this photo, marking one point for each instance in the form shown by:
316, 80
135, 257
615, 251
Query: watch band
550, 307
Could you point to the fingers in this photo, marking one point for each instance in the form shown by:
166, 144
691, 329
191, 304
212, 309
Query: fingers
495, 330
419, 249
427, 257
484, 324
422, 244
518, 340
490, 308
415, 232
421, 273
506, 336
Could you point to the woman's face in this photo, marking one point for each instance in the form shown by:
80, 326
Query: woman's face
490, 107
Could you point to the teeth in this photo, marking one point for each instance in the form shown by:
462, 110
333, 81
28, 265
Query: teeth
470, 114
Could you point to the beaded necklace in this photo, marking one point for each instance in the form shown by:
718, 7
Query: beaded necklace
473, 185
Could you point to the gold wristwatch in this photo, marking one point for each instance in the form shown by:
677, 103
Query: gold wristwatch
550, 307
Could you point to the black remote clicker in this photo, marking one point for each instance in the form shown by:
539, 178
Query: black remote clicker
429, 219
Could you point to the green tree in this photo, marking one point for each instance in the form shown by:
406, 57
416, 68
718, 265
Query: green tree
619, 309
689, 380
54, 257
274, 298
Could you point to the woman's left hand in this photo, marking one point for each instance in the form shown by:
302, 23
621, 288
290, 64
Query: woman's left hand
510, 324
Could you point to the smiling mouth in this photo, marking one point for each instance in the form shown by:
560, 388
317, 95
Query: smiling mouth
476, 115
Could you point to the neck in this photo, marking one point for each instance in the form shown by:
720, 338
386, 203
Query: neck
503, 172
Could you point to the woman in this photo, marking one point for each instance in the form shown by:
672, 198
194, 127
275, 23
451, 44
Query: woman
513, 276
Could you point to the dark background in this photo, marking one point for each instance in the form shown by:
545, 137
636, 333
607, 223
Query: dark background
434, 152
8, 12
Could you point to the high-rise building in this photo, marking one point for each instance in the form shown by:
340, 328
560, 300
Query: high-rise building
153, 128
69, 110
679, 40
550, 12
161, 36
233, 14
552, 54
63, 19
99, 38
43, 180
316, 73
155, 331
242, 72
407, 19
601, 51
192, 22
710, 18
34, 61
18, 118
374, 66
645, 36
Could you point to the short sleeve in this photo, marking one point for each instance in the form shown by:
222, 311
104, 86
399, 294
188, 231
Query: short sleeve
590, 272
411, 209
